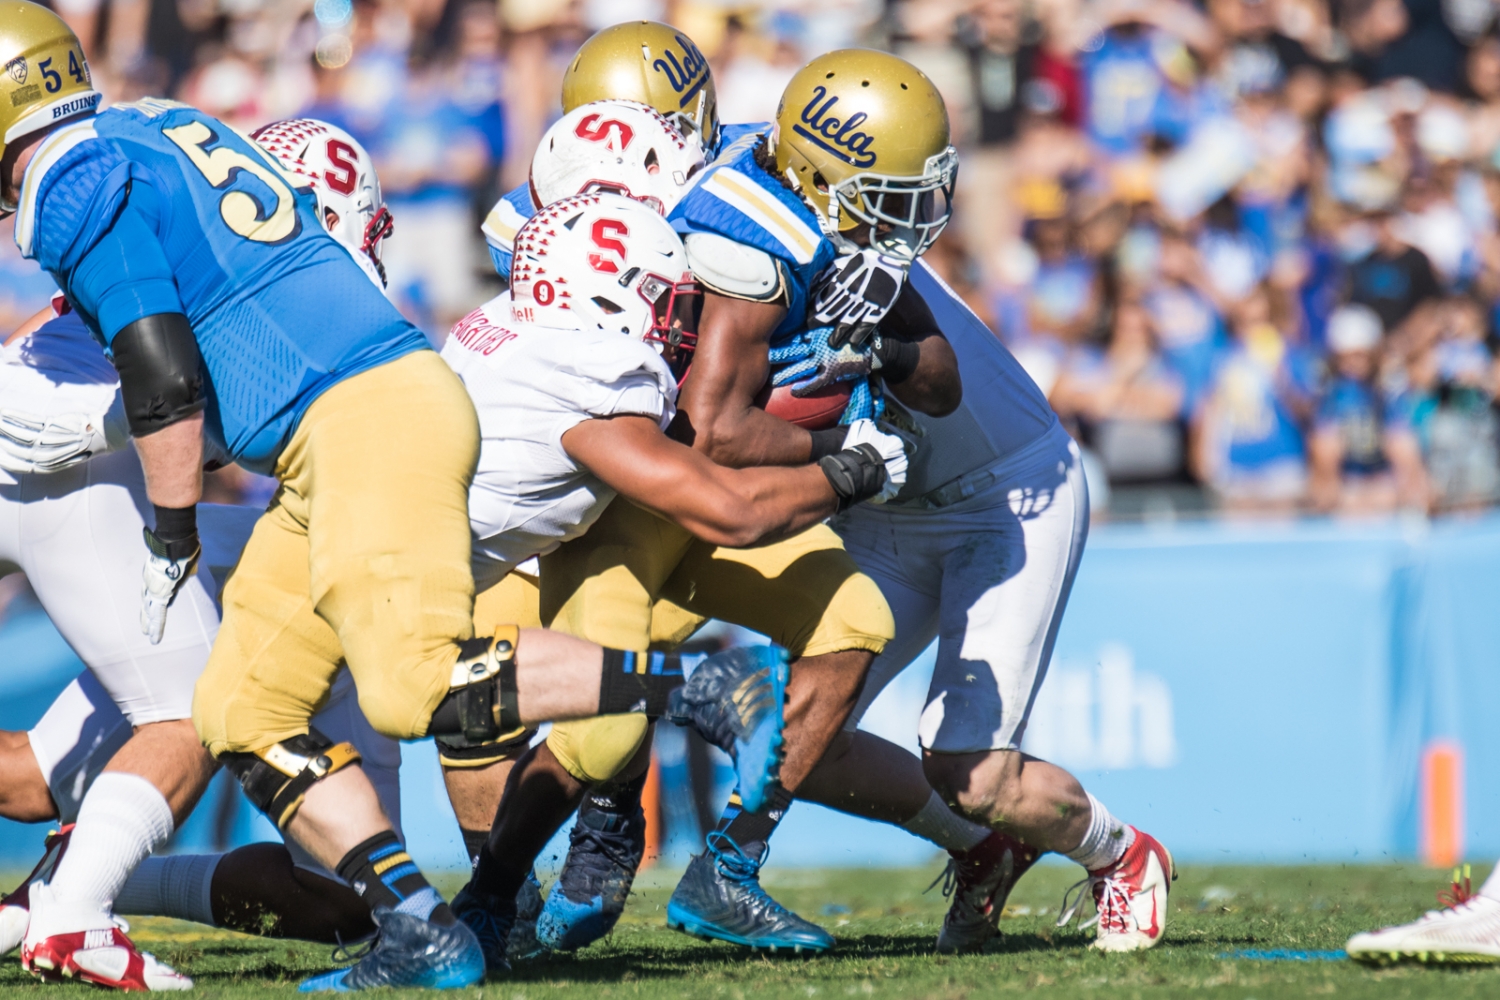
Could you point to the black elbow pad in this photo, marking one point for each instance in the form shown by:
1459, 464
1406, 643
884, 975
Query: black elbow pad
161, 372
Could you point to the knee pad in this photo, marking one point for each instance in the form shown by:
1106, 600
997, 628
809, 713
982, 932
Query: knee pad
481, 702
459, 751
595, 750
277, 778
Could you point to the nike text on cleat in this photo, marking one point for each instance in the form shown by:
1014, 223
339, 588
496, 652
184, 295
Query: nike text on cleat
408, 951
1130, 897
979, 881
1463, 934
523, 943
720, 898
15, 908
490, 918
71, 941
604, 852
735, 700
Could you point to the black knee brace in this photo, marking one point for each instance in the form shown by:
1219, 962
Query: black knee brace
481, 702
277, 778
459, 751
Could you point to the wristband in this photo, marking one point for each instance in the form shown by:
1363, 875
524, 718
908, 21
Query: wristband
176, 531
898, 359
827, 442
856, 474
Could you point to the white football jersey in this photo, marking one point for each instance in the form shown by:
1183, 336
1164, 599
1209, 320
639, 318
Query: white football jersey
1002, 413
530, 384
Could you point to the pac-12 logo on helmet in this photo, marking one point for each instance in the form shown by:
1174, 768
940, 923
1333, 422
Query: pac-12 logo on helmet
341, 173
652, 63
609, 263
864, 136
619, 146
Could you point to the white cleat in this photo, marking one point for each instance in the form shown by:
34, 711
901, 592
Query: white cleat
1130, 897
69, 941
1466, 933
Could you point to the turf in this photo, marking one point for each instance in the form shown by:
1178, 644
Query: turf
886, 923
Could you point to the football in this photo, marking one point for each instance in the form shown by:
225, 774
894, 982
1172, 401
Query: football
816, 412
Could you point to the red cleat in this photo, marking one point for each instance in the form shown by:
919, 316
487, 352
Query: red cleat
1130, 897
69, 941
979, 881
15, 908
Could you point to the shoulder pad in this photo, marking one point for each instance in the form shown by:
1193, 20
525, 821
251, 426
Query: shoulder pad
734, 269
46, 170
507, 218
766, 214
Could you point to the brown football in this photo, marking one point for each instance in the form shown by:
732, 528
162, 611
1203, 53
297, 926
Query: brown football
815, 412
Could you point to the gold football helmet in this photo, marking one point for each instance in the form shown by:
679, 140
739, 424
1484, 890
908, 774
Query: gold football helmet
652, 63
43, 76
863, 136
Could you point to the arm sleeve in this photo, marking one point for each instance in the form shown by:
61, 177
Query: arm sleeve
124, 276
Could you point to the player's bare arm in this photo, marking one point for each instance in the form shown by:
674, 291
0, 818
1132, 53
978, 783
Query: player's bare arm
733, 507
717, 414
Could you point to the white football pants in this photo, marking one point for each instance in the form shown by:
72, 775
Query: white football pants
988, 577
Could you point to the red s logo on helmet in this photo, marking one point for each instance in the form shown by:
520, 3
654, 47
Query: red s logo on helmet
615, 134
343, 157
606, 234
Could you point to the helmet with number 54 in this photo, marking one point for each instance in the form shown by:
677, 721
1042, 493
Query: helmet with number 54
863, 136
606, 262
44, 78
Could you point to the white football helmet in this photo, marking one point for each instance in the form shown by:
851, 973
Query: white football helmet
341, 173
619, 146
606, 262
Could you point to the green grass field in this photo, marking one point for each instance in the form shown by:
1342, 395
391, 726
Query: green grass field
886, 924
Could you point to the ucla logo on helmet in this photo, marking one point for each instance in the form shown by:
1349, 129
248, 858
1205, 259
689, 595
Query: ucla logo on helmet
838, 137
16, 69
686, 75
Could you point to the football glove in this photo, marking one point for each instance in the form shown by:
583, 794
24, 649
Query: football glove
168, 567
31, 443
856, 293
871, 466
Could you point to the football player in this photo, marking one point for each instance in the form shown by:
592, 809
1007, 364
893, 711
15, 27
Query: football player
228, 310
975, 486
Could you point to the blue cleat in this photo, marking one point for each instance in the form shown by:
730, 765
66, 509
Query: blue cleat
720, 898
408, 951
489, 918
604, 853
734, 699
523, 943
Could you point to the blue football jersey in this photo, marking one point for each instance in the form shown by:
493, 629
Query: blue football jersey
739, 201
153, 208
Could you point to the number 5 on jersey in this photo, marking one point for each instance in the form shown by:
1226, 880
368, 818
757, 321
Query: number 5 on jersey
240, 210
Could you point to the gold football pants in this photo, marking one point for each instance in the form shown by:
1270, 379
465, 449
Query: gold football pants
362, 558
637, 580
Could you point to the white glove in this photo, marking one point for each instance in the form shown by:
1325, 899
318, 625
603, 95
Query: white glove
34, 443
855, 294
162, 577
892, 449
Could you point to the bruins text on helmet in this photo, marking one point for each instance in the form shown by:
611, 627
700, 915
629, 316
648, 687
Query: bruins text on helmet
652, 63
43, 76
863, 135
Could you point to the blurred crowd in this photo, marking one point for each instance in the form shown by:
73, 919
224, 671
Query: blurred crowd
1247, 247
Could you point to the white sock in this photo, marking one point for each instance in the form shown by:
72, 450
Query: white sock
944, 827
178, 885
1491, 887
122, 820
1106, 842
